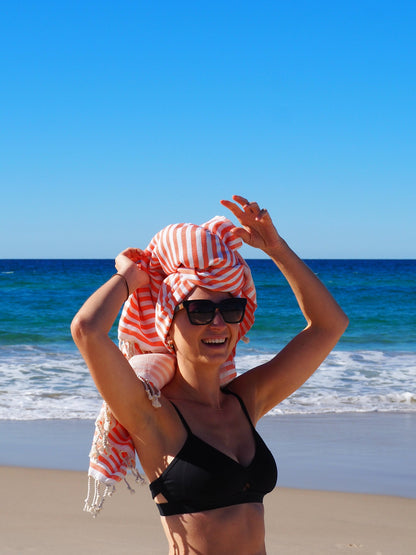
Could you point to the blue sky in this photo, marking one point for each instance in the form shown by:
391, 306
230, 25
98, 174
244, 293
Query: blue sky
119, 118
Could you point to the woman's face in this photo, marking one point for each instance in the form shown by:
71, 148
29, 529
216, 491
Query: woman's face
204, 344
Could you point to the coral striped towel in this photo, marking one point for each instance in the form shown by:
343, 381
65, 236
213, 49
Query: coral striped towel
179, 258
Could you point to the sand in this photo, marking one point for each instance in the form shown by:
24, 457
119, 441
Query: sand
41, 513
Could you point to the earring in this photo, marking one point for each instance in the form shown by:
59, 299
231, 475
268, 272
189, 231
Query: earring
169, 343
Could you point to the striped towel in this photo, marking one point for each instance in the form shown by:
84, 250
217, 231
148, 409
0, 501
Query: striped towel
179, 258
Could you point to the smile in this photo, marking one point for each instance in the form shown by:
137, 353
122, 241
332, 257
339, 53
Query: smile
216, 341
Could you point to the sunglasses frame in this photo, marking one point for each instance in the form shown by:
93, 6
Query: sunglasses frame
216, 306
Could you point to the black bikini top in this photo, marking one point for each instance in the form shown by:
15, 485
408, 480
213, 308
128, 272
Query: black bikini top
201, 477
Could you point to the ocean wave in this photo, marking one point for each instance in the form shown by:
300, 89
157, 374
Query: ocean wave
45, 383
38, 382
324, 404
352, 381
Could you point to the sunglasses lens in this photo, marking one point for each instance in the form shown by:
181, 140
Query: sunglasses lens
232, 310
202, 312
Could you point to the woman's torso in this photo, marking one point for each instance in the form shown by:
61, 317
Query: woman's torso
203, 477
214, 481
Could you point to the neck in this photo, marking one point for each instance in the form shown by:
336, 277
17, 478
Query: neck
201, 386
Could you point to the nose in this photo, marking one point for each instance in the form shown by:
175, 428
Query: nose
218, 319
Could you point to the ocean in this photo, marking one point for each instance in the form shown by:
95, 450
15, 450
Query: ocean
372, 369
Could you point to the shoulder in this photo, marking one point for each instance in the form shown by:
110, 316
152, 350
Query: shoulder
240, 387
255, 387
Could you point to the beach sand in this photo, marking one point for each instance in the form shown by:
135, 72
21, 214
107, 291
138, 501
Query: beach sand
41, 509
41, 513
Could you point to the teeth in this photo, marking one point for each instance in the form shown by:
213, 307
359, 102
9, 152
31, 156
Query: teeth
218, 341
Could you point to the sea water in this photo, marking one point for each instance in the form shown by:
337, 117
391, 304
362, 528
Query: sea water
373, 367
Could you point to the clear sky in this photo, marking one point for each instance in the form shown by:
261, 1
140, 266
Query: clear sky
118, 118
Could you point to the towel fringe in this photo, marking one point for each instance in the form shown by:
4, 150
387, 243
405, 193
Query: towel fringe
153, 393
98, 491
96, 495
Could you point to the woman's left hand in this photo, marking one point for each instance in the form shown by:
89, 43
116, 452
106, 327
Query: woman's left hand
128, 264
257, 228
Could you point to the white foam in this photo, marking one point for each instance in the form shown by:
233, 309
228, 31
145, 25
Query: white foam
42, 383
362, 381
38, 383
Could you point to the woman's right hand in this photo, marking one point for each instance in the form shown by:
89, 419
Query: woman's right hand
257, 228
128, 264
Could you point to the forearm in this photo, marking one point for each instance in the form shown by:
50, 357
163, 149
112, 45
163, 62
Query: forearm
99, 312
315, 301
111, 372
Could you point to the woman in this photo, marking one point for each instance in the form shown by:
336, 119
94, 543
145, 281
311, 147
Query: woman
200, 425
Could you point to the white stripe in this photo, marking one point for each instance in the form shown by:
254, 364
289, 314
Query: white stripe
210, 253
180, 245
199, 247
189, 246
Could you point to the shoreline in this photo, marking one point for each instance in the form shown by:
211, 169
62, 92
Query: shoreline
372, 453
42, 514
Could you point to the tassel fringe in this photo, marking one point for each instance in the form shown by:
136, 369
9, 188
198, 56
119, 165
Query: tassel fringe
96, 495
98, 491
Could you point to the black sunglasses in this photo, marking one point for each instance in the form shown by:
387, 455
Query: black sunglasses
202, 311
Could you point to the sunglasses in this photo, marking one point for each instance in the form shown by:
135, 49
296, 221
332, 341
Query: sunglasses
202, 311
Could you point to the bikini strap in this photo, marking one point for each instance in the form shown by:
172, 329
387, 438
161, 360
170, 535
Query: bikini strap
184, 422
228, 392
243, 406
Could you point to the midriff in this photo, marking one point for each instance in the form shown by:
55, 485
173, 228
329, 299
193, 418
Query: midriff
236, 529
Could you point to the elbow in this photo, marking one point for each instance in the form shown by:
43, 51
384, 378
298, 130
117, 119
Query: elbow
340, 324
81, 329
77, 329
332, 328
344, 321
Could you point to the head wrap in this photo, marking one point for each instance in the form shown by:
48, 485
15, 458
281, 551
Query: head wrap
178, 258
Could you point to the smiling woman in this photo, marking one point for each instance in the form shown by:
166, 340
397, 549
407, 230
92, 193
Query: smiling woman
191, 298
206, 337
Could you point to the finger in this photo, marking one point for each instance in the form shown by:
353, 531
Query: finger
242, 233
253, 207
241, 200
129, 249
262, 213
133, 254
248, 207
236, 210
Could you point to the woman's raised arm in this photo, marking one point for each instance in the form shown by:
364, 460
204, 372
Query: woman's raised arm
112, 374
267, 385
